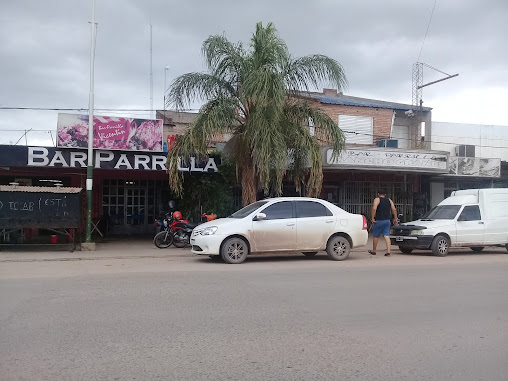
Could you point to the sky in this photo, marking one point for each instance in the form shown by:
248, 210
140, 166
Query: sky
45, 52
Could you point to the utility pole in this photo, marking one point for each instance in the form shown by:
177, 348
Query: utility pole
89, 169
151, 74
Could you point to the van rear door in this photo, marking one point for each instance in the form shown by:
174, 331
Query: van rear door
470, 226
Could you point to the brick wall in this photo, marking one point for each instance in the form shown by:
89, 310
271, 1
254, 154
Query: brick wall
382, 117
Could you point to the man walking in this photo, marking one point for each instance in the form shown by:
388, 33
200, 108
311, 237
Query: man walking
381, 220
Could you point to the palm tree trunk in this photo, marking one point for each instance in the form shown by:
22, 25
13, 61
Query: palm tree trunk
249, 192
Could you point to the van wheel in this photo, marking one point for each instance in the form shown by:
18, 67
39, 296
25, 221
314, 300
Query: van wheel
440, 246
310, 253
338, 248
405, 250
234, 250
477, 249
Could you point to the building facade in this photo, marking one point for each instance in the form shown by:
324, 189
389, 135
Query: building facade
478, 157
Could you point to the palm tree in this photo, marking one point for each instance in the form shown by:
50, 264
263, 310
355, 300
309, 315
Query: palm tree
254, 96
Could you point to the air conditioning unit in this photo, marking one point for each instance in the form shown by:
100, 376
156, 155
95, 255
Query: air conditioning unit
392, 143
465, 150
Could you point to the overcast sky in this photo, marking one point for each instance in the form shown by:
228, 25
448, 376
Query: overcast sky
45, 47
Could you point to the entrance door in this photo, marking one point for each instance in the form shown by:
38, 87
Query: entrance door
131, 206
135, 210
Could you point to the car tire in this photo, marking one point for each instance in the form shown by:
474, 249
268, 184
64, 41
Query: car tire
440, 246
310, 253
234, 250
477, 249
506, 246
338, 248
405, 250
163, 240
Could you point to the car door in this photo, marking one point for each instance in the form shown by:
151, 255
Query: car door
314, 223
470, 226
276, 232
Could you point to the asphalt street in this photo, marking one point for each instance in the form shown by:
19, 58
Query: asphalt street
406, 317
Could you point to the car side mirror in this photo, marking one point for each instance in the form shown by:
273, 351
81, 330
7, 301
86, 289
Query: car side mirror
260, 217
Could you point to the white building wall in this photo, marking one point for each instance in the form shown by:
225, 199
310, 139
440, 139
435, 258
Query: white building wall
490, 141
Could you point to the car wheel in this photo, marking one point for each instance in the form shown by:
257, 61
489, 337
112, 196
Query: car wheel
405, 250
338, 248
477, 249
234, 250
506, 246
310, 253
440, 246
163, 239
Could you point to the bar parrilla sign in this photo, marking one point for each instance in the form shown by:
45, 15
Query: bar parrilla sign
383, 159
22, 156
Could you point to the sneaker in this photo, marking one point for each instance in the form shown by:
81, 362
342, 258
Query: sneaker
387, 254
372, 252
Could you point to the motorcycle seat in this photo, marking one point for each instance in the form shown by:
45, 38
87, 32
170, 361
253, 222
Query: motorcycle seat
191, 225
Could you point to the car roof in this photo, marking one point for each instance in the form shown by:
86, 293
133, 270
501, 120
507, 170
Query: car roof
293, 199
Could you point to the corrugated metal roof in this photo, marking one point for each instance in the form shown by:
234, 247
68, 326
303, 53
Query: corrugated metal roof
20, 188
347, 100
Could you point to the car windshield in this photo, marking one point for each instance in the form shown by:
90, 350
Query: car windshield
442, 212
244, 212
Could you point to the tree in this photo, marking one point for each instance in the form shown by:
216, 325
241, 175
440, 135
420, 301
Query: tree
255, 95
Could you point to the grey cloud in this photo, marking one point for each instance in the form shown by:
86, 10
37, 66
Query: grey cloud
45, 47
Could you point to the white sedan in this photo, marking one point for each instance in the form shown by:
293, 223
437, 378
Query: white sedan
282, 224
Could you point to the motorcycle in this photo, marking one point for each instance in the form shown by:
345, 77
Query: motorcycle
164, 238
178, 231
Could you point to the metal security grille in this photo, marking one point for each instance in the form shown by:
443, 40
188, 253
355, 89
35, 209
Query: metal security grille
357, 196
130, 205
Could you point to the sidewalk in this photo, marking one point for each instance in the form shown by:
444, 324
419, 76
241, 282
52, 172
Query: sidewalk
114, 249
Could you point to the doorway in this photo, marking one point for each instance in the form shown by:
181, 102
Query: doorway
131, 206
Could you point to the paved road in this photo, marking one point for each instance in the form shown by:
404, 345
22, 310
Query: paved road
407, 317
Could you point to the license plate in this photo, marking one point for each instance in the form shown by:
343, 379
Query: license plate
399, 239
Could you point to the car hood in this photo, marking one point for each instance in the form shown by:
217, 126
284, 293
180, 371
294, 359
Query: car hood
218, 222
430, 224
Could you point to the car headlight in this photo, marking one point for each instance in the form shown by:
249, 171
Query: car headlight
416, 232
209, 231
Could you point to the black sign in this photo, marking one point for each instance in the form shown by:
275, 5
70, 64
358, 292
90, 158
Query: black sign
20, 156
39, 210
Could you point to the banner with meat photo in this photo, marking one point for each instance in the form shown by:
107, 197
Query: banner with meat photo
110, 132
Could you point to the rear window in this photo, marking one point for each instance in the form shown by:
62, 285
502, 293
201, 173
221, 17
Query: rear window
311, 209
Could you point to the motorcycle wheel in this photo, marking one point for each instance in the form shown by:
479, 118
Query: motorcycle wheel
179, 243
163, 240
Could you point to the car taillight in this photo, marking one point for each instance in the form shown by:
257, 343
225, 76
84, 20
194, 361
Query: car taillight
364, 223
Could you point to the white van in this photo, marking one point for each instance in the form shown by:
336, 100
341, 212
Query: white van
472, 218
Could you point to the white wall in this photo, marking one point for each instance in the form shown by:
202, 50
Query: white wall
446, 136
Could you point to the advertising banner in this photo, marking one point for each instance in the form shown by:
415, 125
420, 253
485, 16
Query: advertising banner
475, 166
115, 133
389, 160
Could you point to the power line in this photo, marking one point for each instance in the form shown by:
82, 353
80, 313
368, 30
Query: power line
427, 31
82, 109
379, 137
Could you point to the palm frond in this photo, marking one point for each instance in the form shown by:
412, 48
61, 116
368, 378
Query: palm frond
192, 87
223, 58
314, 71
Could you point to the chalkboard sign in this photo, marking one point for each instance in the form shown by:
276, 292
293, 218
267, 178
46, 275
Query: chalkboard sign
40, 209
